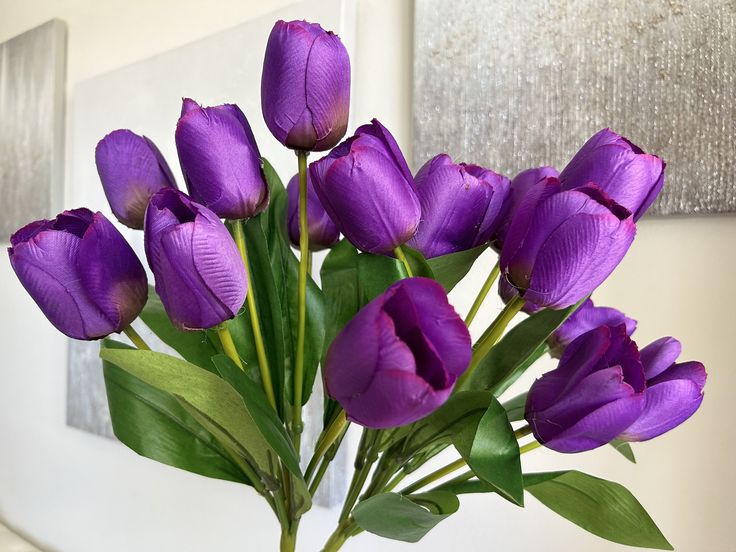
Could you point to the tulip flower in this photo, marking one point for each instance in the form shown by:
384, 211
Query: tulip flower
461, 206
594, 394
81, 273
584, 319
562, 244
199, 273
305, 86
674, 390
367, 189
398, 359
220, 160
323, 233
627, 174
131, 169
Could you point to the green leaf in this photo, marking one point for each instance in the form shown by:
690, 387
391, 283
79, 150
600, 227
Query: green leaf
404, 518
376, 273
192, 346
601, 507
472, 486
417, 262
518, 350
450, 269
155, 425
625, 449
515, 407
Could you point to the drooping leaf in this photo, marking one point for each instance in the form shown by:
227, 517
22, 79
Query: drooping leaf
449, 269
404, 518
602, 507
515, 407
625, 449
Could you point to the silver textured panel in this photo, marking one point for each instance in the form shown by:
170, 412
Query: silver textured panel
512, 85
32, 85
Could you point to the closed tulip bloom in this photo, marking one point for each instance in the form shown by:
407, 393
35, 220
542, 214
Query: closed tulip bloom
305, 86
81, 272
398, 359
674, 390
562, 244
199, 274
594, 394
323, 233
462, 206
367, 189
220, 160
627, 174
584, 319
131, 169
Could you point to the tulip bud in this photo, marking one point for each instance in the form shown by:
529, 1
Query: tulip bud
674, 390
367, 189
561, 245
594, 394
131, 169
584, 319
199, 273
305, 86
398, 359
620, 168
323, 233
461, 205
220, 160
81, 272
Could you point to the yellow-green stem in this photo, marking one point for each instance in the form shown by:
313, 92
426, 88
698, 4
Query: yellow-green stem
333, 431
522, 431
404, 261
297, 425
228, 345
529, 447
434, 476
482, 294
136, 338
239, 236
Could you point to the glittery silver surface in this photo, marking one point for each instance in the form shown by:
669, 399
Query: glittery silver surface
512, 85
32, 84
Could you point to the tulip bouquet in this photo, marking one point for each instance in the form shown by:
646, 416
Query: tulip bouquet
248, 329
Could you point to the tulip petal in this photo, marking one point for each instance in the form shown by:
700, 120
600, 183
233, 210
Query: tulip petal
659, 355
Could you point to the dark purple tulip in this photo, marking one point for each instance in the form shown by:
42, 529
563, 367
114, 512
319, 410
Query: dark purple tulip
305, 87
586, 318
131, 169
520, 185
594, 394
461, 204
562, 244
398, 359
674, 390
81, 272
367, 189
323, 233
627, 174
220, 160
199, 273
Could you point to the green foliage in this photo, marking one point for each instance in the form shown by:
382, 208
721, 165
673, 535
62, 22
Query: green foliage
449, 269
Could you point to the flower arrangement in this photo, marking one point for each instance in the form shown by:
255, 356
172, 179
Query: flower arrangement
251, 328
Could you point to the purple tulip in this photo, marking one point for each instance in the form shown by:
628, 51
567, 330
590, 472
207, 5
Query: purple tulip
594, 394
586, 318
81, 272
461, 205
131, 169
520, 185
199, 273
305, 87
674, 390
220, 160
627, 174
562, 244
323, 233
398, 359
367, 189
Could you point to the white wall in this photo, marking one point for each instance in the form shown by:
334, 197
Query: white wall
73, 492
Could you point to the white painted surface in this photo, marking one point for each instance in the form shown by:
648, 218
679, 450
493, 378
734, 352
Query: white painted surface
73, 492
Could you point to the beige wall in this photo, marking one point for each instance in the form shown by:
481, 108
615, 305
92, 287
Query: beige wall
74, 492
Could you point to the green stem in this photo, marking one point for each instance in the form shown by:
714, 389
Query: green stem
288, 537
404, 261
459, 479
487, 285
330, 435
328, 458
228, 345
339, 536
136, 338
522, 431
434, 476
364, 459
297, 426
529, 447
492, 335
239, 236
